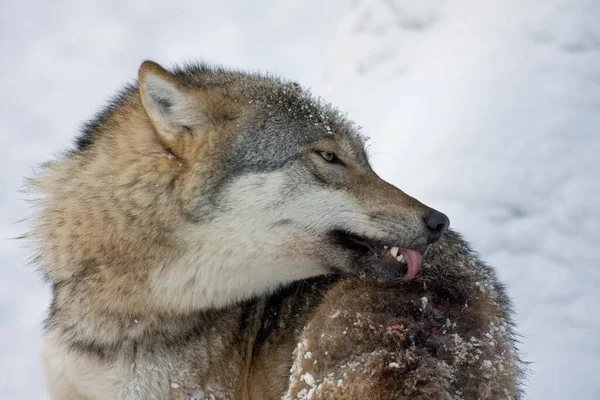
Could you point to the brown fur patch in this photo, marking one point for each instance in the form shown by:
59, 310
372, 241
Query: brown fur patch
444, 335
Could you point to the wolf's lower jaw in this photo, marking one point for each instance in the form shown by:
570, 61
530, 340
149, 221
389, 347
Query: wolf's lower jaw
185, 287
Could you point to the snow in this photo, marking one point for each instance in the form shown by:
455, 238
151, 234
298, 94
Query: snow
488, 111
198, 394
308, 378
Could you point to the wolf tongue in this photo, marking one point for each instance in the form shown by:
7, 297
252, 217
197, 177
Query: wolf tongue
413, 260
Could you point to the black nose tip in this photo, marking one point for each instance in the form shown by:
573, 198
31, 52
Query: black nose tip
437, 223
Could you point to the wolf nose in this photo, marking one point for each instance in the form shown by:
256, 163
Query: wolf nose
437, 223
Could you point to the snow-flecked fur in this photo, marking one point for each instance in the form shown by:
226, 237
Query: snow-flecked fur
174, 232
446, 335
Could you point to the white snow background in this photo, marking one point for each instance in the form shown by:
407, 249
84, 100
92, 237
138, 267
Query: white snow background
487, 110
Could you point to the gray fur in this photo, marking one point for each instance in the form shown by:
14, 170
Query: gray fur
190, 260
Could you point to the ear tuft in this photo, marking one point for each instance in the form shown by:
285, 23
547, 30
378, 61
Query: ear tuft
171, 106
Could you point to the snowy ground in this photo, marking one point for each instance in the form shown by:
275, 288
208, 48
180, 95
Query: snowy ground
487, 110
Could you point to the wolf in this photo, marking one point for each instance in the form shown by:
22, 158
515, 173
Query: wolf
217, 234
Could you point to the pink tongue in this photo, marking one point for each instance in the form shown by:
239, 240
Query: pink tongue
413, 260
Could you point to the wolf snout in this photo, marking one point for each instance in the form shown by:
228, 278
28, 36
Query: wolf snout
436, 223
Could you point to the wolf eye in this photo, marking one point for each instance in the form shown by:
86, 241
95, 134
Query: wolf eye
328, 156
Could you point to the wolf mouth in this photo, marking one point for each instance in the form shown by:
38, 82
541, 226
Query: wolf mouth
402, 260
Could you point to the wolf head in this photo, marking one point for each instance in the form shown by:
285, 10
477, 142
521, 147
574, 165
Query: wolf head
209, 186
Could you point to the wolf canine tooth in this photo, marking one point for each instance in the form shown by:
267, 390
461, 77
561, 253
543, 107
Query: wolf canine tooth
394, 251
400, 258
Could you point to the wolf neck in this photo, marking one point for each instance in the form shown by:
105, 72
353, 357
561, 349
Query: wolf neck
78, 325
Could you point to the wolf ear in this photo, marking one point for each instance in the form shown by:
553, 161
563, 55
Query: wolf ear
172, 106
